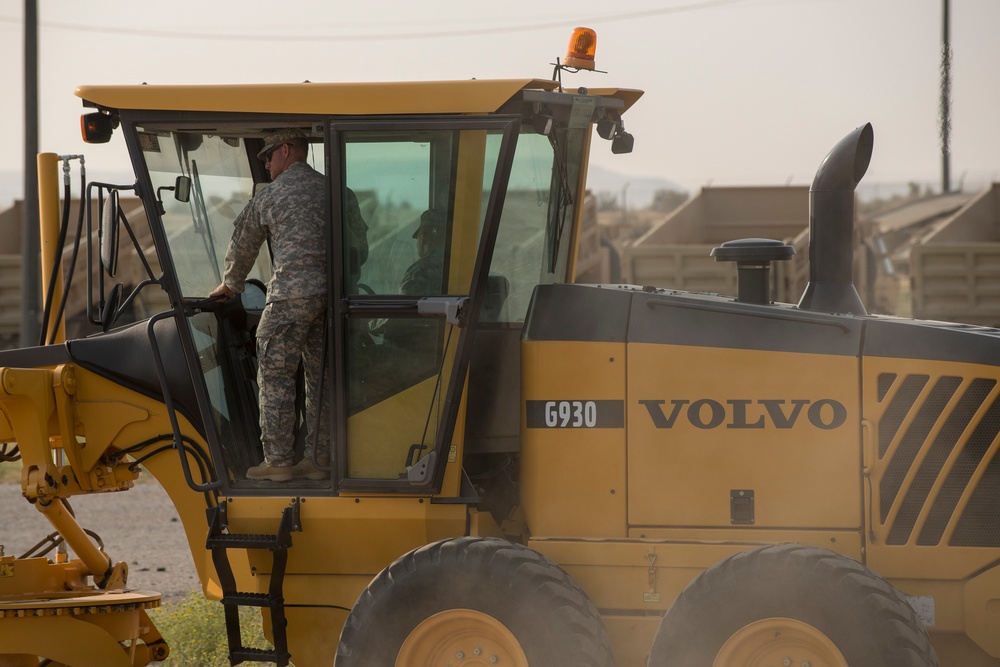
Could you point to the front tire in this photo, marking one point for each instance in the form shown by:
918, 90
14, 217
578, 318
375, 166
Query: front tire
469, 602
790, 604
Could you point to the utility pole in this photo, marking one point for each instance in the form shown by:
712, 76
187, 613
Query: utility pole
30, 241
625, 204
945, 101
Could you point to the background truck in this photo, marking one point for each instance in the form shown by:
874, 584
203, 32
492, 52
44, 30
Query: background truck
525, 471
955, 265
676, 253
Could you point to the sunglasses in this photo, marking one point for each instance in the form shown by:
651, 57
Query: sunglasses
270, 152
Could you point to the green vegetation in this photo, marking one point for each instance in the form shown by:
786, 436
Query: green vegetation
195, 629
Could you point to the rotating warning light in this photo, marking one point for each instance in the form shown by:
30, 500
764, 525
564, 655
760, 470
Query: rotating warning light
581, 50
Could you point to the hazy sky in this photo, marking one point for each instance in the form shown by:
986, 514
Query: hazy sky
737, 91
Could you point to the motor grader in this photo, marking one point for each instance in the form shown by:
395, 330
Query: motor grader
524, 471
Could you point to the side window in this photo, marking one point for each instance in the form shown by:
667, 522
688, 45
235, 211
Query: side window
395, 238
423, 195
390, 178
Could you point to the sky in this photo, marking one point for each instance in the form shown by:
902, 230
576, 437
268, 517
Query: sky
737, 92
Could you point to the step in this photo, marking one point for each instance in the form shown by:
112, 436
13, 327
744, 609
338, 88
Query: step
258, 655
241, 599
245, 541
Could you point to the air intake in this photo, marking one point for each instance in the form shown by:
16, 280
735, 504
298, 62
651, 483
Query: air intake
753, 259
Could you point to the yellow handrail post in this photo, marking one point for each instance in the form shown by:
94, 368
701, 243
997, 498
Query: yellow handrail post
48, 215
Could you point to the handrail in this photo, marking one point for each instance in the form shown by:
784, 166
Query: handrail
169, 403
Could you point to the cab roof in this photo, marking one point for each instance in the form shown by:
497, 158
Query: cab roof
469, 96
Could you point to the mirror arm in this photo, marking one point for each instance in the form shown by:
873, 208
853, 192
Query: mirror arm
135, 292
159, 198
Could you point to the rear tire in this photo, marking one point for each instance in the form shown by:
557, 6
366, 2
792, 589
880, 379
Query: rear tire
473, 601
806, 604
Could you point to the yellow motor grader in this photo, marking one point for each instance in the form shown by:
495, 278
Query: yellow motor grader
524, 470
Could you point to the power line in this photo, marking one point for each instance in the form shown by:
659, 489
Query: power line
438, 34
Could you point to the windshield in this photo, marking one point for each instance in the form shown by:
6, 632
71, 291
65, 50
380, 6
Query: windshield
533, 245
222, 183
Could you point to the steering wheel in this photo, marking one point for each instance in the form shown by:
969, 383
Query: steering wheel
208, 303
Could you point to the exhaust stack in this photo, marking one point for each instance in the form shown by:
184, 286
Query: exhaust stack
831, 226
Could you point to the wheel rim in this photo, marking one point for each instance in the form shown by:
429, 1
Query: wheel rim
779, 641
461, 638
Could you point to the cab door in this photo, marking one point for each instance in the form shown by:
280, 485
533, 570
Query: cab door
419, 204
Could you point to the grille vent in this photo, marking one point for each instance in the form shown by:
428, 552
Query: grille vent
944, 428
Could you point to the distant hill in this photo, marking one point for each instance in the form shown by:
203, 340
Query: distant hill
640, 188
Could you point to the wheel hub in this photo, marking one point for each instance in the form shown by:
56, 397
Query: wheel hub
779, 642
461, 638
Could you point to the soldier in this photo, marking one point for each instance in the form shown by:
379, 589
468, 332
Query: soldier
291, 214
414, 342
424, 275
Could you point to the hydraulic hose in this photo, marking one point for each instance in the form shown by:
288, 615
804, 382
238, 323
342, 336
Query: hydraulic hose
76, 246
54, 328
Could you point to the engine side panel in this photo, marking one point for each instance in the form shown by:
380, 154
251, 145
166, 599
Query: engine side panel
742, 416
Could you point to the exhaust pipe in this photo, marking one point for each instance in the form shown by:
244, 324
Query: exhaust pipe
831, 226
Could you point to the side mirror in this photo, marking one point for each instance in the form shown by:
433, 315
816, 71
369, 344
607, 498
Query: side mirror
181, 188
108, 233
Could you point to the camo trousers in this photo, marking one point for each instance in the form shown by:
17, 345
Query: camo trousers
291, 330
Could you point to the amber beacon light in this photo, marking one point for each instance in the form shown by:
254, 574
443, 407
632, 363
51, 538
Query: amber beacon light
582, 46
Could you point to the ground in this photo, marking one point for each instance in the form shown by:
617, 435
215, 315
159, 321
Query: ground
139, 526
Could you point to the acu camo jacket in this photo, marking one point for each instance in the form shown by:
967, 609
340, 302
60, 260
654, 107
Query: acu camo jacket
291, 212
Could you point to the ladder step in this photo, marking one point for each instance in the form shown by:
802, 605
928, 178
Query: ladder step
244, 541
219, 542
241, 599
244, 654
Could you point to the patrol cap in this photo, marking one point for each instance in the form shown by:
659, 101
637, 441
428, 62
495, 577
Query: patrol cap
432, 221
281, 136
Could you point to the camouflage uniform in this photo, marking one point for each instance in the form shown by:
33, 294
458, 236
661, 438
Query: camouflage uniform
291, 213
356, 241
424, 275
289, 330
415, 341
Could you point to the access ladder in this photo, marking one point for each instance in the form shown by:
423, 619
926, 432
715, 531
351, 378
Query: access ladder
220, 540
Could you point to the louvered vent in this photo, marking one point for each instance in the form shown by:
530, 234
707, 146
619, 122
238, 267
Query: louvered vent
941, 480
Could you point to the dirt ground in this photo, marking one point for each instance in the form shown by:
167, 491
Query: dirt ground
138, 526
